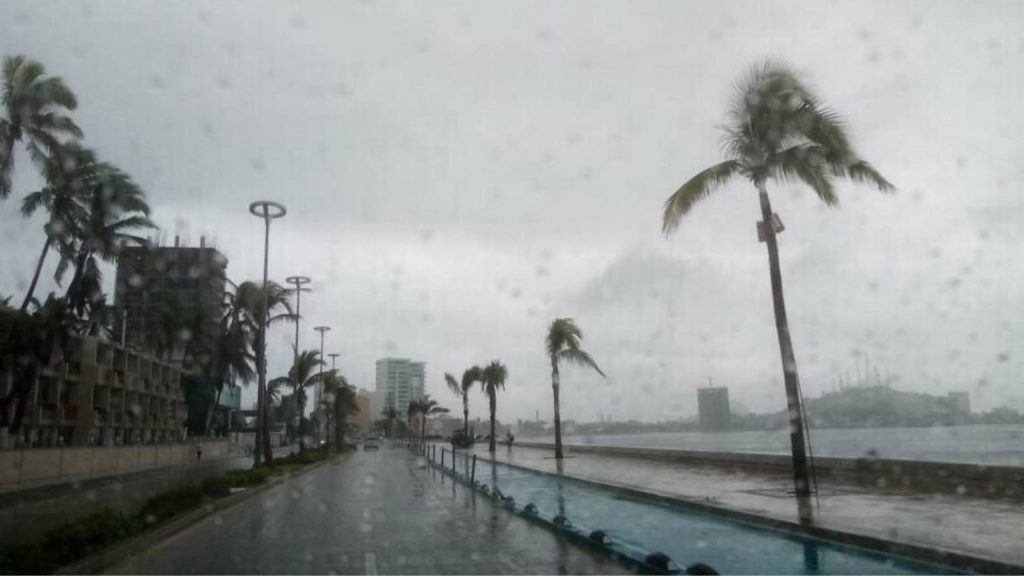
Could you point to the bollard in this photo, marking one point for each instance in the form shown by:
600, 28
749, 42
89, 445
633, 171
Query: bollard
472, 475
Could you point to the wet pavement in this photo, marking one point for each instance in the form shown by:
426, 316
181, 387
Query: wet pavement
26, 514
978, 527
367, 513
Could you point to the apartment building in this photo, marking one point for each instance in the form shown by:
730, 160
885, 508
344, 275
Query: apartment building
100, 393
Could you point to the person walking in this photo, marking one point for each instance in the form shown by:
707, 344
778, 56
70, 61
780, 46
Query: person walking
509, 438
199, 452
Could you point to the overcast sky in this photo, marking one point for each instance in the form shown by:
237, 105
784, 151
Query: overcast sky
459, 174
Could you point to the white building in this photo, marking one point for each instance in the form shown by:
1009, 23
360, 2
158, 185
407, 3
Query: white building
399, 381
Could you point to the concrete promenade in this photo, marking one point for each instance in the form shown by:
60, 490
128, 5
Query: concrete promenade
380, 512
979, 527
27, 514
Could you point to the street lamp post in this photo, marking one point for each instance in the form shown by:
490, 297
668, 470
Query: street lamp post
268, 211
320, 380
334, 405
298, 281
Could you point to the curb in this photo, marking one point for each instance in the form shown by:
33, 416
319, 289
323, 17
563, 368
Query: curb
100, 561
915, 552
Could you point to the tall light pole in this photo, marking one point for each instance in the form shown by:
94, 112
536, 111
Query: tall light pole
320, 380
334, 406
298, 281
268, 211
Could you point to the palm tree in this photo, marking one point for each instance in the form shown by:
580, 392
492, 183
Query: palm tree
113, 208
778, 130
28, 342
342, 399
230, 347
493, 379
425, 407
304, 374
563, 343
67, 171
471, 376
250, 299
33, 104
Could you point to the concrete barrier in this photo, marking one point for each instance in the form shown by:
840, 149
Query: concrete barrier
943, 477
33, 467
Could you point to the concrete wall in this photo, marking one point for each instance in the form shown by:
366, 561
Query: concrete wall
29, 468
942, 477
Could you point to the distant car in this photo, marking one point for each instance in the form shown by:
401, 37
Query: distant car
370, 444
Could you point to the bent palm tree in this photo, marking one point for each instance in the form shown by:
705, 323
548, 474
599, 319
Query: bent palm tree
492, 380
33, 105
469, 377
114, 207
66, 171
777, 129
563, 344
428, 407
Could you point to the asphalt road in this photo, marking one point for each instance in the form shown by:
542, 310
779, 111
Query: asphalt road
367, 513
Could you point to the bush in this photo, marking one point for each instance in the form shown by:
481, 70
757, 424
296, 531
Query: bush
168, 504
77, 539
461, 440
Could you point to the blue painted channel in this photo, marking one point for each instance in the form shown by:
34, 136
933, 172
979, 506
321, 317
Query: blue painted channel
688, 536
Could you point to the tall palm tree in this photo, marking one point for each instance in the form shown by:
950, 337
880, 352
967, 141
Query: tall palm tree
304, 374
67, 171
778, 130
492, 380
563, 344
250, 298
471, 376
33, 105
230, 349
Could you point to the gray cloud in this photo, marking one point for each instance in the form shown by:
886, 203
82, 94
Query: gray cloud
457, 175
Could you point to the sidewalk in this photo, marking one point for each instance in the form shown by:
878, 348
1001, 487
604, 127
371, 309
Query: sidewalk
26, 514
984, 528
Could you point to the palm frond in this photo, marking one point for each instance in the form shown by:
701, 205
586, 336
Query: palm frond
694, 190
806, 163
861, 171
453, 384
580, 357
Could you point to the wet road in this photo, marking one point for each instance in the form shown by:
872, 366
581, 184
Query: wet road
378, 512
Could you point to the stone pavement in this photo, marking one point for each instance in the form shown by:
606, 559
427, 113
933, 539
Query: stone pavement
990, 529
367, 513
27, 514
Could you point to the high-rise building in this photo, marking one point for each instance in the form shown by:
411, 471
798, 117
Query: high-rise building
400, 381
161, 285
713, 407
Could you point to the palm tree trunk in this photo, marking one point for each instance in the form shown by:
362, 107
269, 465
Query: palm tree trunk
35, 277
76, 278
801, 478
423, 428
558, 417
302, 408
209, 413
494, 401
